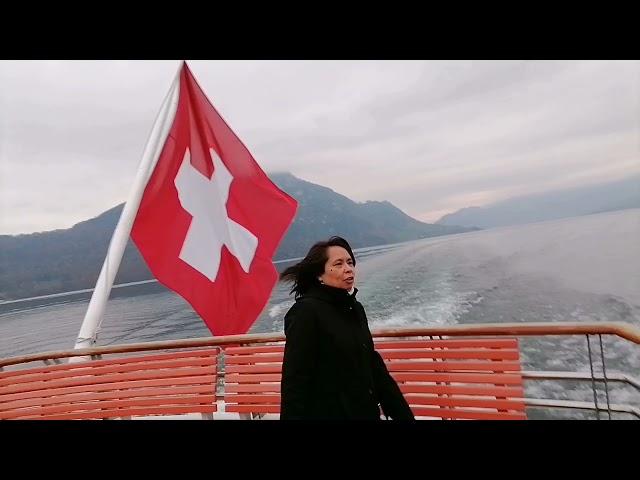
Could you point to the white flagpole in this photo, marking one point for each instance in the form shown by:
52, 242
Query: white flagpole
93, 318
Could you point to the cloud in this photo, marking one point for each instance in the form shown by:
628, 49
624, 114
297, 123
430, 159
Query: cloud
431, 137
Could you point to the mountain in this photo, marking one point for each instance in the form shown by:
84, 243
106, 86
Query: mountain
618, 195
63, 260
323, 212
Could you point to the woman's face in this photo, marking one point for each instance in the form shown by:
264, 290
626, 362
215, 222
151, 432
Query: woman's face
339, 271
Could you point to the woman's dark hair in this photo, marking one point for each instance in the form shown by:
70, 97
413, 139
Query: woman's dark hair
305, 273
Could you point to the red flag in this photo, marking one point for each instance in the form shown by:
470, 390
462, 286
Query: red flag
210, 220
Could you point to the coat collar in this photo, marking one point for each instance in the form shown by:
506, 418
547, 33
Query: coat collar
332, 294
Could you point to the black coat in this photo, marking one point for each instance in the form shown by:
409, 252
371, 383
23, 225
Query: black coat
330, 368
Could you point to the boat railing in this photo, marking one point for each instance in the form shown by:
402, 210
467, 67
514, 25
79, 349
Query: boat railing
599, 379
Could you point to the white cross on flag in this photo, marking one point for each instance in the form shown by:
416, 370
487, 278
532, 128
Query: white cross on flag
210, 220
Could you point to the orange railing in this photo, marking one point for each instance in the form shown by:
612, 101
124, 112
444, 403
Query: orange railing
619, 330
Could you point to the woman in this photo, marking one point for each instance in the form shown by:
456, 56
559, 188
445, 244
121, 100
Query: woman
330, 368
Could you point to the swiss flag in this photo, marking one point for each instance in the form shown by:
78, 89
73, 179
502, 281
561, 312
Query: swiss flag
210, 220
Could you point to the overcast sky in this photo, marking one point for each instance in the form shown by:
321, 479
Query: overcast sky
429, 136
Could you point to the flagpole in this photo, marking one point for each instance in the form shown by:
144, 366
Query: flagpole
87, 335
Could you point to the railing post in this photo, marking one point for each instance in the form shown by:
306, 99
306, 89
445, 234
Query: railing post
593, 380
604, 374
